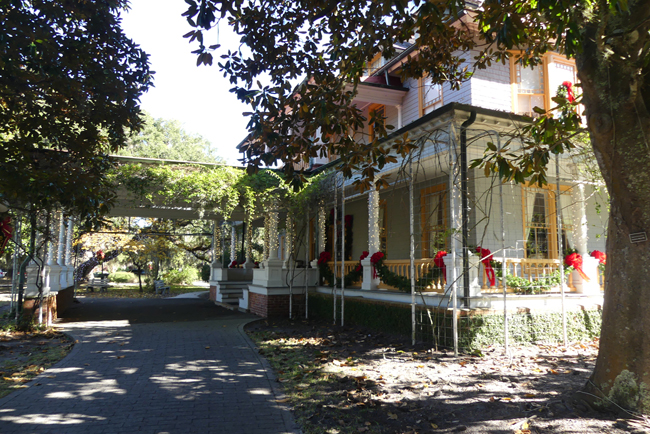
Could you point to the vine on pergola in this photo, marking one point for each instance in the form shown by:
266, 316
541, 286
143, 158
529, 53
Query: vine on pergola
218, 189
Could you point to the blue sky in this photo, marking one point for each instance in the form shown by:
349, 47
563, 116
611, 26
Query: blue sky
196, 96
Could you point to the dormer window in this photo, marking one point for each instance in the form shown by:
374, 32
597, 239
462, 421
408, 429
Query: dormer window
377, 62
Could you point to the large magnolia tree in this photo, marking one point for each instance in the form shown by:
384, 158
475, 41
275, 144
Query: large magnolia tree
70, 83
329, 42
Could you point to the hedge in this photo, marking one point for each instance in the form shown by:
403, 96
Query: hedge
476, 330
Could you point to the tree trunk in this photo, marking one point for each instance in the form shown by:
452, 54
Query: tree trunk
619, 124
140, 279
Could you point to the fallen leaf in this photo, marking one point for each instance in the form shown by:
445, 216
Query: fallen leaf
392, 416
434, 426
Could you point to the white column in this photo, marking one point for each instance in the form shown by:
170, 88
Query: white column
288, 241
270, 273
216, 246
370, 282
233, 243
63, 276
580, 235
217, 272
247, 245
68, 252
399, 116
273, 235
53, 269
579, 219
320, 234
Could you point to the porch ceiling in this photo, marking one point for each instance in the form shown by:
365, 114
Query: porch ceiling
378, 94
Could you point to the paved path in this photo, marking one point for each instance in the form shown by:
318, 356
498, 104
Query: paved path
133, 373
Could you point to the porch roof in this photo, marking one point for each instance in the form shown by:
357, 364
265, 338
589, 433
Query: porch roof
376, 93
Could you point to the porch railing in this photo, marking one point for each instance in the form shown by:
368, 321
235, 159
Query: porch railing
402, 267
530, 269
349, 266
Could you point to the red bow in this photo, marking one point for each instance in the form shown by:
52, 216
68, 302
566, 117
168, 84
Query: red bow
324, 257
602, 257
440, 263
569, 91
486, 259
376, 257
575, 260
5, 233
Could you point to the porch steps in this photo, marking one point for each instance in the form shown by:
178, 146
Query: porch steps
230, 292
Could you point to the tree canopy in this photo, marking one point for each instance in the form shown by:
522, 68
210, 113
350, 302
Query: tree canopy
70, 83
167, 139
327, 44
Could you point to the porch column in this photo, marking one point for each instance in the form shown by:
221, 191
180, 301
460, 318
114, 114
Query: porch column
233, 243
273, 236
373, 240
53, 269
248, 237
580, 234
68, 252
289, 239
217, 272
270, 273
63, 276
399, 116
321, 236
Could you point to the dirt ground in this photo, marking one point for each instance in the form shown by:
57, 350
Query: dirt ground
341, 380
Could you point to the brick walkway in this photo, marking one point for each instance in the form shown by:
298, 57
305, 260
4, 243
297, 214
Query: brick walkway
128, 374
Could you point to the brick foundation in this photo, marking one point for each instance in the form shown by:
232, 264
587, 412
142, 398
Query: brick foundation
31, 309
274, 306
213, 293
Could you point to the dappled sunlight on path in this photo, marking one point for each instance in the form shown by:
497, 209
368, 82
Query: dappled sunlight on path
174, 377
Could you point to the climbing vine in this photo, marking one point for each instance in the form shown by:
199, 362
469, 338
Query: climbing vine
219, 189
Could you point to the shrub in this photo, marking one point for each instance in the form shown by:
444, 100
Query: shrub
206, 269
176, 277
122, 277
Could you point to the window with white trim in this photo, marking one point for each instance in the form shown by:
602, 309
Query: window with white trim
535, 86
430, 96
